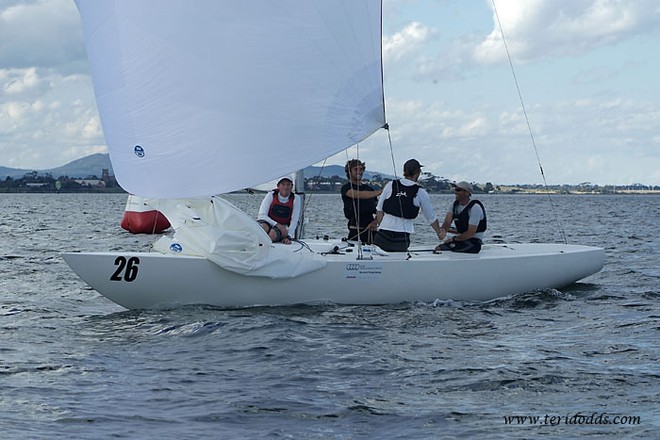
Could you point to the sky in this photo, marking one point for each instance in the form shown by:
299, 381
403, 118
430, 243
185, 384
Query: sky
584, 71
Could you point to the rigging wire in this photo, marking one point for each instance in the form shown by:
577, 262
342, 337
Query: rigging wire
529, 126
308, 200
396, 177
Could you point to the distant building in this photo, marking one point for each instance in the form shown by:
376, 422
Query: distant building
91, 183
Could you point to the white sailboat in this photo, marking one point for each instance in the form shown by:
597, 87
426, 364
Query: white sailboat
189, 109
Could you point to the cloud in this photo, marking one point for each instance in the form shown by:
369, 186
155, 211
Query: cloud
447, 103
406, 42
24, 82
48, 114
578, 140
537, 29
46, 120
41, 34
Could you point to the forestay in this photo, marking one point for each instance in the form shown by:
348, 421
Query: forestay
206, 97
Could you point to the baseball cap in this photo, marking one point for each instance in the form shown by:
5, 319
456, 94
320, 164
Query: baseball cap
463, 185
411, 167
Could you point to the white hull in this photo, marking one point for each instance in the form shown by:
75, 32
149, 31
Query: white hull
158, 280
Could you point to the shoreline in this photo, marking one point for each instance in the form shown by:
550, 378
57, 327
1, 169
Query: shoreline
495, 193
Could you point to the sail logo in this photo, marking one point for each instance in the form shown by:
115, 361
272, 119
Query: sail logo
176, 247
139, 151
352, 267
401, 194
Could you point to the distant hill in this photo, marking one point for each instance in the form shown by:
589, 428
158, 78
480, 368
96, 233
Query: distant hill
14, 173
92, 165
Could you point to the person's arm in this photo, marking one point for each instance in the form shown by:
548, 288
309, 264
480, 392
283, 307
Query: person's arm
387, 191
438, 230
472, 229
373, 225
355, 194
295, 216
445, 225
379, 217
264, 208
423, 200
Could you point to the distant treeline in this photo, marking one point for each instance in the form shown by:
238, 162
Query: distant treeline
427, 180
437, 184
44, 183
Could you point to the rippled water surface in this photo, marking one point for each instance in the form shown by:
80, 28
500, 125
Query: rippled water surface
73, 364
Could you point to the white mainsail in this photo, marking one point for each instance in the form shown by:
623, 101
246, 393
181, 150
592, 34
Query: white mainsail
205, 97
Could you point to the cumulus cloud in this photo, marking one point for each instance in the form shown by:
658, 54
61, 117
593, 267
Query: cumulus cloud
578, 140
47, 110
468, 129
46, 121
406, 42
24, 82
44, 33
548, 28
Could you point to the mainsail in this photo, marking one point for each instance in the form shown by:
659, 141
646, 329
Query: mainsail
206, 97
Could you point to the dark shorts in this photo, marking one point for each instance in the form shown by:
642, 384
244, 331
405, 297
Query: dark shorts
278, 233
471, 246
392, 241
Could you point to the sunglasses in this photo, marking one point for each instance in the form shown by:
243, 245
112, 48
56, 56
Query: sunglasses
459, 190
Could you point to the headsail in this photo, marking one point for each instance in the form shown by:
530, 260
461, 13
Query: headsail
205, 97
225, 235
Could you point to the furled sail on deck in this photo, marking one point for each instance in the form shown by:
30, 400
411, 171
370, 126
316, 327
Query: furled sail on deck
222, 233
205, 97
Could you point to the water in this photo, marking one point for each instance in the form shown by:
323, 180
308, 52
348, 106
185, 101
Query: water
75, 365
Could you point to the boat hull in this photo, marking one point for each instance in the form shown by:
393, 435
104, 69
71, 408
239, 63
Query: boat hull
154, 280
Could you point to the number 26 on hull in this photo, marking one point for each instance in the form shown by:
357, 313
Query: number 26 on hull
127, 269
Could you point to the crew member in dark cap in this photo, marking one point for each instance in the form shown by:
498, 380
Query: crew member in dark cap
279, 212
469, 217
399, 205
359, 203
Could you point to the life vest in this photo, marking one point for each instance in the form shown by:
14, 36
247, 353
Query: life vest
400, 202
462, 219
281, 212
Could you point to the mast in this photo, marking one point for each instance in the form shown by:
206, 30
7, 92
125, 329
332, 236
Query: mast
299, 185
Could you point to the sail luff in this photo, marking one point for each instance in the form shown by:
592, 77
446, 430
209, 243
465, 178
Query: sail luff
206, 97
